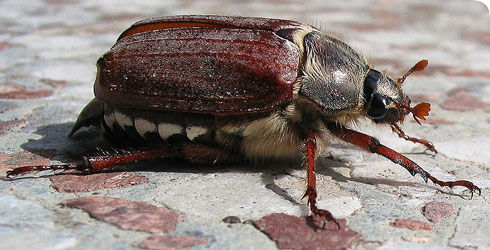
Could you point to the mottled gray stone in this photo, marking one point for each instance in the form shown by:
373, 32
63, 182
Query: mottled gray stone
26, 224
472, 226
473, 150
239, 194
171, 242
410, 245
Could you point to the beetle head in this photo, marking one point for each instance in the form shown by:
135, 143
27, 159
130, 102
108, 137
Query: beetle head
384, 100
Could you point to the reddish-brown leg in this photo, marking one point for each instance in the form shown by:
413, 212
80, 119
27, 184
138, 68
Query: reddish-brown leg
369, 143
395, 128
309, 161
192, 152
100, 162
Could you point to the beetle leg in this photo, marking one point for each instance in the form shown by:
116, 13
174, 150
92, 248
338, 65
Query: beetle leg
395, 128
102, 162
38, 168
193, 152
371, 144
309, 161
203, 154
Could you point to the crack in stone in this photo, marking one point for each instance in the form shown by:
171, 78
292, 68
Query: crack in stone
454, 233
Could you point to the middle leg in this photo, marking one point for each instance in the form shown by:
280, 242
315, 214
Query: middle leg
309, 162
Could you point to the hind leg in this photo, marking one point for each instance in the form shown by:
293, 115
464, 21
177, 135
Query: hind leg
206, 155
192, 152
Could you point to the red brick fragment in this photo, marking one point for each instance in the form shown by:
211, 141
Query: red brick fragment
5, 126
482, 37
87, 183
25, 158
305, 233
384, 15
436, 211
13, 91
127, 215
171, 242
7, 45
458, 99
411, 224
457, 91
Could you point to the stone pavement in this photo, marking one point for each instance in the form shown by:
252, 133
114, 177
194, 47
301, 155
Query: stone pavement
48, 51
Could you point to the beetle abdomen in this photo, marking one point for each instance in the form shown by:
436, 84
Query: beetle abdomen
156, 127
255, 137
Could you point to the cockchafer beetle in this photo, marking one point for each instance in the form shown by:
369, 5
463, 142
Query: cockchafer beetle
213, 89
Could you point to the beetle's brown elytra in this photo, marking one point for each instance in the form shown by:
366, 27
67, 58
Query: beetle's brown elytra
214, 89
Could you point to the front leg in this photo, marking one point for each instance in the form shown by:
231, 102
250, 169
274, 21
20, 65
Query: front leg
309, 162
395, 128
371, 144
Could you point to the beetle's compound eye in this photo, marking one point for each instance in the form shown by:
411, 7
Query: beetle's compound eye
378, 107
374, 102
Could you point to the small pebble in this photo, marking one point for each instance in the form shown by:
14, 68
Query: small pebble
232, 219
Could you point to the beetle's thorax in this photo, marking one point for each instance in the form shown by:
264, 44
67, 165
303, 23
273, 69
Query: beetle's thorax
331, 80
338, 82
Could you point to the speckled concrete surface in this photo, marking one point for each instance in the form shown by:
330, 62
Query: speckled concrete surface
48, 51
